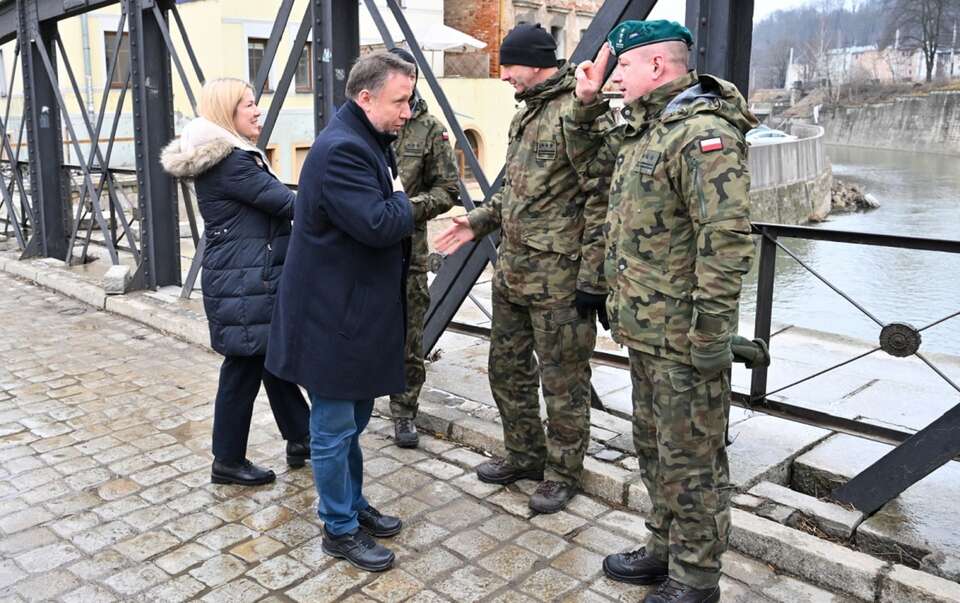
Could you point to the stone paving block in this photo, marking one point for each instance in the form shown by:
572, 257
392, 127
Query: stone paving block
459, 514
406, 480
219, 570
638, 499
785, 589
512, 502
183, 558
48, 557
226, 536
625, 524
474, 487
548, 585
22, 520
420, 535
238, 591
432, 563
579, 563
330, 585
102, 536
73, 524
438, 494
182, 588
379, 467
619, 591
510, 562
464, 457
439, 469
257, 549
279, 572
831, 518
478, 433
542, 543
604, 480
189, 526
604, 542
295, 532
136, 579
393, 587
268, 518
9, 573
146, 545
470, 584
99, 565
234, 509
404, 507
149, 517
89, 593
561, 523
905, 584
805, 556
46, 586
471, 543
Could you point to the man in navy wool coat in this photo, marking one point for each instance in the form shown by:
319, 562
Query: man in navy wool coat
338, 324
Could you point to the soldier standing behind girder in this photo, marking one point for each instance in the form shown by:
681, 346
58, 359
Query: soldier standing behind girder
548, 285
428, 169
678, 245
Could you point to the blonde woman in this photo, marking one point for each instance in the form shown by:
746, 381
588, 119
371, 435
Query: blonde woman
246, 214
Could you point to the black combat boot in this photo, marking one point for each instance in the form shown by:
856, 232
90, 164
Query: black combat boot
672, 591
499, 471
405, 433
243, 473
378, 524
551, 496
359, 548
298, 453
635, 567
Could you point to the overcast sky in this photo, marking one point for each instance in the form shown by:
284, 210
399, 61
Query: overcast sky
675, 9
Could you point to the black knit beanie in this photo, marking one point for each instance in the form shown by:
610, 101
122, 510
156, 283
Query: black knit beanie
528, 45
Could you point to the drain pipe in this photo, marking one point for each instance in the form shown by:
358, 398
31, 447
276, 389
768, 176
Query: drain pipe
87, 67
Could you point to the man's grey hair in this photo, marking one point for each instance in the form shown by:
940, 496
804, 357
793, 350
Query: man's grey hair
371, 71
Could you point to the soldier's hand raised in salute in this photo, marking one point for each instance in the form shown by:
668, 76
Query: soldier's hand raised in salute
455, 236
590, 74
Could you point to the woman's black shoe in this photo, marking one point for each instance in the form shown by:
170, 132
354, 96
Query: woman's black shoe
243, 473
298, 453
359, 548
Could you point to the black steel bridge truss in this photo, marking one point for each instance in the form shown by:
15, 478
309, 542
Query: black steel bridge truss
58, 209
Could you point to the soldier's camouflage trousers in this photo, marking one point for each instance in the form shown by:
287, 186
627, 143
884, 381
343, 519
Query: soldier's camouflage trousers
418, 302
679, 427
563, 342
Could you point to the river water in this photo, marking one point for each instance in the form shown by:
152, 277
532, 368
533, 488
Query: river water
919, 196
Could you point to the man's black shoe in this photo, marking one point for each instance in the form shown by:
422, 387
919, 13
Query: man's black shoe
672, 591
551, 496
359, 548
405, 433
635, 567
499, 471
298, 453
378, 524
242, 472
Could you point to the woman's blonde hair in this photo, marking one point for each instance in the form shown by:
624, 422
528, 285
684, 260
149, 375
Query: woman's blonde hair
219, 99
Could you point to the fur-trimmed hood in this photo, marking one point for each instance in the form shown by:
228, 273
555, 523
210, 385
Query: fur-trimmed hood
202, 145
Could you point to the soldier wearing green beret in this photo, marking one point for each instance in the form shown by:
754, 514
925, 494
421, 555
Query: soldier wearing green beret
548, 286
677, 246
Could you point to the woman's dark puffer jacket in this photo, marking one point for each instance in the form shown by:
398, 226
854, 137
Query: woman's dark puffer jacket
246, 214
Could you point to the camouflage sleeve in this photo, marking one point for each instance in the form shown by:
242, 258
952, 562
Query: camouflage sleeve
440, 178
587, 130
485, 219
590, 277
714, 179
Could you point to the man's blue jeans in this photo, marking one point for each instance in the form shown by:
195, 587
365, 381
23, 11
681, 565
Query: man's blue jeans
335, 428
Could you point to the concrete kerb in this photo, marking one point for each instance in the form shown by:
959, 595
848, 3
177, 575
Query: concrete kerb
791, 551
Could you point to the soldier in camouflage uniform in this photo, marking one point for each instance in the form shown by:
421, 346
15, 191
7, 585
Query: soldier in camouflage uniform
548, 287
678, 245
428, 171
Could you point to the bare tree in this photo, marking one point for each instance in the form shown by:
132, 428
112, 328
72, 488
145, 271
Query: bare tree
924, 24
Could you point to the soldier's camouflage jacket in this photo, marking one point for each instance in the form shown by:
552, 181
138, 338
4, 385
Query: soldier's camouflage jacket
678, 229
428, 170
551, 230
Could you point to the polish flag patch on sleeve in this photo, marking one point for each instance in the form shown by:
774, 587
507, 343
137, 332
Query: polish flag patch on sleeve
711, 144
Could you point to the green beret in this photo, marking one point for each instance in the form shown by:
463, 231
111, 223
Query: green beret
632, 34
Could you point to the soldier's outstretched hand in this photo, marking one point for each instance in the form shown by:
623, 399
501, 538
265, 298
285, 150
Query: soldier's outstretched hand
590, 74
455, 236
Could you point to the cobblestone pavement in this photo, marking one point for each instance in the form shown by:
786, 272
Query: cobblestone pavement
104, 482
